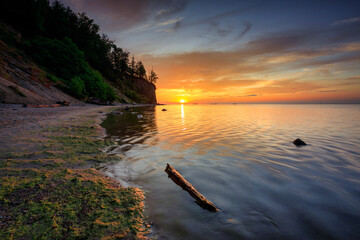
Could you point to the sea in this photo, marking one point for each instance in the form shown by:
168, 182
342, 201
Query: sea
241, 157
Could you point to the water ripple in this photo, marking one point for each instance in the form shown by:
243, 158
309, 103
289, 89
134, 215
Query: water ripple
242, 158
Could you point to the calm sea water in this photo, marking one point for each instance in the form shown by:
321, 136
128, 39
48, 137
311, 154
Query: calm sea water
241, 157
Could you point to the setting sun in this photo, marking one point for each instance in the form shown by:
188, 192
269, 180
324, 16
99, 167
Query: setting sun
182, 101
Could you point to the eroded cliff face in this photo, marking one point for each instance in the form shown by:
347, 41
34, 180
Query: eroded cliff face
147, 90
23, 82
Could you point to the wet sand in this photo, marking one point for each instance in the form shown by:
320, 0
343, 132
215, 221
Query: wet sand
52, 142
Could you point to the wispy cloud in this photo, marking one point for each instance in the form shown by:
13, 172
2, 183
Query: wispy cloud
346, 21
175, 7
261, 65
327, 91
115, 15
236, 50
170, 21
247, 26
252, 95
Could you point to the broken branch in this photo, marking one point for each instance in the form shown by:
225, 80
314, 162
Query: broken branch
185, 185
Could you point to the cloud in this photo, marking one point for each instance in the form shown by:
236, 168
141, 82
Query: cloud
269, 66
220, 16
315, 38
267, 56
246, 29
353, 80
175, 22
288, 86
174, 7
223, 84
170, 21
327, 91
207, 70
270, 63
221, 31
346, 21
114, 15
252, 95
334, 59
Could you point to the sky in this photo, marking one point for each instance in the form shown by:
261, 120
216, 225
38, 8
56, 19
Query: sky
235, 51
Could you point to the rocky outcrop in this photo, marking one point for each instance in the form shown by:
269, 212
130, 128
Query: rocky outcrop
147, 90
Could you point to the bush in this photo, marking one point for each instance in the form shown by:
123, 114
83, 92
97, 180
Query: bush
77, 87
52, 78
111, 95
97, 87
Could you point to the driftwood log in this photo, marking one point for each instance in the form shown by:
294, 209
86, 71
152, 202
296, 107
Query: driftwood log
179, 180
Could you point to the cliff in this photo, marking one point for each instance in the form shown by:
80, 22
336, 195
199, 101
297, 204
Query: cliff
146, 89
23, 81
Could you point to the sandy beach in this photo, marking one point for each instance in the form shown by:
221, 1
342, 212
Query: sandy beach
17, 121
49, 186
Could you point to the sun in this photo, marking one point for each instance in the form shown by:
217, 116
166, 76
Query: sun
182, 101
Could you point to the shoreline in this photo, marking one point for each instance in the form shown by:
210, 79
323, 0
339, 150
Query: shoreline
43, 150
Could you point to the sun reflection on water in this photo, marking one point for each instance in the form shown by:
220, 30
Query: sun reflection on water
183, 116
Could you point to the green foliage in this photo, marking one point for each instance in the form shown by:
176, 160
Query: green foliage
65, 59
52, 78
110, 94
69, 205
70, 45
62, 57
96, 86
60, 203
77, 87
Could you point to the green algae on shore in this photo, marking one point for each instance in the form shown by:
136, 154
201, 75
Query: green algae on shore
51, 193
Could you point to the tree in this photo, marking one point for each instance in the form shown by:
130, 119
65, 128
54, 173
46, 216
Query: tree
60, 22
120, 60
27, 16
152, 76
132, 66
70, 46
140, 70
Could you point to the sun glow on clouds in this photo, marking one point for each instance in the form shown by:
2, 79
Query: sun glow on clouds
303, 75
234, 52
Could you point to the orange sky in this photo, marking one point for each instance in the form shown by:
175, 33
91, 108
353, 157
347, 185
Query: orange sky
248, 76
208, 51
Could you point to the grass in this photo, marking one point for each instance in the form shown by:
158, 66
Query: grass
52, 194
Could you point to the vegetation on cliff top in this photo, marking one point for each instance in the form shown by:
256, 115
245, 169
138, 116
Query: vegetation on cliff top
71, 47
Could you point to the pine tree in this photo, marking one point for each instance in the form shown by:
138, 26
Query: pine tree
153, 76
140, 70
